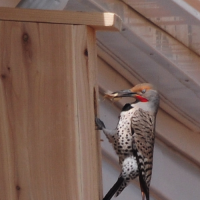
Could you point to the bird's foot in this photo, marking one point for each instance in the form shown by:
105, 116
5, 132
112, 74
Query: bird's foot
100, 125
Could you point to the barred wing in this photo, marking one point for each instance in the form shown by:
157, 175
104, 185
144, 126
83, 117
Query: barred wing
143, 128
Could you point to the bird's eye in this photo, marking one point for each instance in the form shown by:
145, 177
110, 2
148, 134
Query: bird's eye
143, 91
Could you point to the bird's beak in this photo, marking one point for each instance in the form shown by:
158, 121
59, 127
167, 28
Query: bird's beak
122, 93
125, 93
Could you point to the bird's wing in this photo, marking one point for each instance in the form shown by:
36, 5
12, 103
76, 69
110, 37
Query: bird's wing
143, 125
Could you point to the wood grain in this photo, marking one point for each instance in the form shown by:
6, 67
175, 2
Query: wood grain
99, 21
48, 146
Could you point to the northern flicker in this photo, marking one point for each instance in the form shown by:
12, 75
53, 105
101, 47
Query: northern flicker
133, 138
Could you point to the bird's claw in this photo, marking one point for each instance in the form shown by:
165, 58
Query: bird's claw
100, 125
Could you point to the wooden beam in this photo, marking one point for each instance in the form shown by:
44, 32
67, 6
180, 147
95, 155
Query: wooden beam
99, 21
9, 3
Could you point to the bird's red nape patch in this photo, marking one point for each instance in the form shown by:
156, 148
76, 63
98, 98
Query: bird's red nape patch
142, 99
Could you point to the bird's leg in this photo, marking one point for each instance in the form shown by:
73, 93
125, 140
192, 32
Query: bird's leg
109, 133
100, 125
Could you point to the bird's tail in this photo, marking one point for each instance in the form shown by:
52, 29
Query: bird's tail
117, 188
121, 188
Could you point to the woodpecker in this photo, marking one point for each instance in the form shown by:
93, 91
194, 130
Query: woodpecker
133, 139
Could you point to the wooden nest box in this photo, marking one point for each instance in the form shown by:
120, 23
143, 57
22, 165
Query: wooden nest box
48, 146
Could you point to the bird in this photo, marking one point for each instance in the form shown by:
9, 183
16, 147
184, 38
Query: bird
133, 138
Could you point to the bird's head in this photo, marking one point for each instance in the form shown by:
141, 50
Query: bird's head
144, 92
